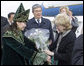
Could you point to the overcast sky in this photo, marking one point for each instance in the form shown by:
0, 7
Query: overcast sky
11, 6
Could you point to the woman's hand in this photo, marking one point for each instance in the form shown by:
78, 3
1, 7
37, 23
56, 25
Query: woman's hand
49, 59
49, 52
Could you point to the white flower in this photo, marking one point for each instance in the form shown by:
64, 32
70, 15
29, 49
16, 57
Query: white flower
31, 34
35, 33
39, 39
36, 30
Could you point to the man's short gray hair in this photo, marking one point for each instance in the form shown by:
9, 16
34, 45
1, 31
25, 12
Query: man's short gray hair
36, 6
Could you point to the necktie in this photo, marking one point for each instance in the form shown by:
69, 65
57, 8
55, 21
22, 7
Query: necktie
38, 22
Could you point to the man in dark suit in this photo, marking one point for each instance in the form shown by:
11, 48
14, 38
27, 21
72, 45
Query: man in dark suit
39, 22
10, 17
77, 54
4, 22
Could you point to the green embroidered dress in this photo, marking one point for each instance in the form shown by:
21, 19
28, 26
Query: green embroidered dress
16, 50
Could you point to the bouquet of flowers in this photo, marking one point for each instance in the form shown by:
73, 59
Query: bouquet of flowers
40, 37
40, 41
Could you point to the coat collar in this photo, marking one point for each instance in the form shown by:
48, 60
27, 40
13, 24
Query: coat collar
65, 33
19, 38
42, 20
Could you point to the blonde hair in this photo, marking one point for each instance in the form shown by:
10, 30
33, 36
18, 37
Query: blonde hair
63, 20
64, 7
